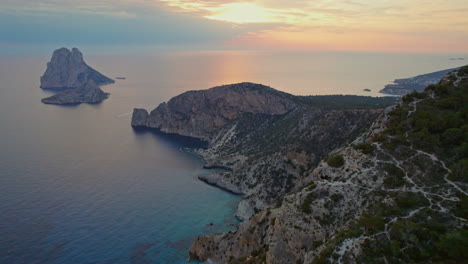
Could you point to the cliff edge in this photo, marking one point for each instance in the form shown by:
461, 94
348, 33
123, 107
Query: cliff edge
267, 139
397, 194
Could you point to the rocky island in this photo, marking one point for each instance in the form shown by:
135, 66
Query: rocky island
87, 93
75, 81
68, 70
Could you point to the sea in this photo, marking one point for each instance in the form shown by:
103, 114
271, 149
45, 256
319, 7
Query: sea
79, 185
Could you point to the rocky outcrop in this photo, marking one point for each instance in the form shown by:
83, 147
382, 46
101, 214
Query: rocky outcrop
266, 139
216, 180
67, 70
202, 114
396, 194
87, 93
139, 117
269, 155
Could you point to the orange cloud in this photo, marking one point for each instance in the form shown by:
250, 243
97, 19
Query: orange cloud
398, 25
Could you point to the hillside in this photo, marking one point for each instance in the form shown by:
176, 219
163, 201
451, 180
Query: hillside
266, 139
397, 194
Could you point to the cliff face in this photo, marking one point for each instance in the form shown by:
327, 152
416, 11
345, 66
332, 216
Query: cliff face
67, 70
202, 114
87, 93
266, 138
397, 194
270, 156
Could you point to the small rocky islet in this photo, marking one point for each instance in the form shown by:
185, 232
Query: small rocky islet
75, 81
88, 93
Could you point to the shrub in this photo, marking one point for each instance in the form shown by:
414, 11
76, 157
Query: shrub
311, 186
335, 161
365, 148
379, 137
305, 205
463, 70
395, 176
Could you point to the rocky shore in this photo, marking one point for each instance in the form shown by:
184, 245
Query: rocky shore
266, 138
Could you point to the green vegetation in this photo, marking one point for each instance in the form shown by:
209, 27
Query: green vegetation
395, 176
311, 186
347, 101
438, 126
424, 240
463, 70
335, 161
336, 197
416, 231
462, 208
428, 242
365, 147
305, 205
256, 257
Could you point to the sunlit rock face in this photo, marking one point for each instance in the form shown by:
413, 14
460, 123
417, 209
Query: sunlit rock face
68, 70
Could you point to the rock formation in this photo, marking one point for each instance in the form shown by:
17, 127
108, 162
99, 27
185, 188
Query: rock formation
67, 70
87, 93
266, 138
201, 114
139, 117
397, 194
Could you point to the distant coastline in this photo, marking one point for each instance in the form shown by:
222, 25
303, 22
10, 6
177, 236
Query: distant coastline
418, 83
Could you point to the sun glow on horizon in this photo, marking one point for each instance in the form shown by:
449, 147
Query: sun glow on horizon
357, 25
242, 13
396, 25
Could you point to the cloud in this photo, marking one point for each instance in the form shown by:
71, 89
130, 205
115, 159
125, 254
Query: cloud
106, 22
173, 22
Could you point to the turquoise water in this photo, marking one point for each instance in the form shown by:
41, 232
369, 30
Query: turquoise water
79, 185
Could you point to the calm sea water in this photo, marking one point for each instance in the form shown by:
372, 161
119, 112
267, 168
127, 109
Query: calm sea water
79, 185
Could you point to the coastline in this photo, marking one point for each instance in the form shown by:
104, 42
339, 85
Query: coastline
189, 145
213, 179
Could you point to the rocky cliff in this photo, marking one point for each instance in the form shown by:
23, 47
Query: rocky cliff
266, 139
87, 93
67, 70
202, 114
397, 194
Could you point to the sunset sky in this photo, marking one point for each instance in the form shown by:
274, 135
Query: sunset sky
349, 25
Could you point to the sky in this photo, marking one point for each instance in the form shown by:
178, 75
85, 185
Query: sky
436, 26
